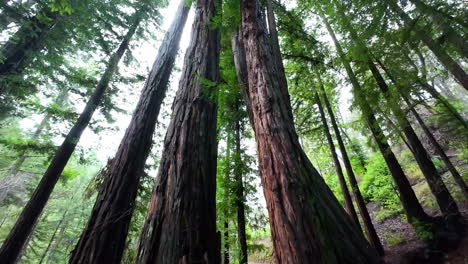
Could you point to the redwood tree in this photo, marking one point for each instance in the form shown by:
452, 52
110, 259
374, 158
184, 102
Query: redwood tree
18, 236
181, 220
308, 224
103, 239
413, 209
339, 171
366, 219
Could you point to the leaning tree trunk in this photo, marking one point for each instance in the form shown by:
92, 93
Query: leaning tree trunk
239, 190
451, 65
308, 224
444, 199
367, 220
413, 209
460, 44
16, 240
339, 171
438, 148
99, 241
16, 52
181, 220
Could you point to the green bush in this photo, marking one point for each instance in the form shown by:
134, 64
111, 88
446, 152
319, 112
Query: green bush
377, 186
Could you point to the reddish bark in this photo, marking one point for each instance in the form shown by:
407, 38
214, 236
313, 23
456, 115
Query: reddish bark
182, 226
103, 239
308, 224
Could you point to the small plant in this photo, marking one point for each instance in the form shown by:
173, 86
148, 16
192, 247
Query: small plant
394, 239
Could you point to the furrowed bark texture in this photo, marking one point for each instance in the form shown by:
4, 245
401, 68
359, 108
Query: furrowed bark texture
17, 237
411, 205
114, 205
339, 171
308, 224
181, 221
366, 219
451, 65
16, 52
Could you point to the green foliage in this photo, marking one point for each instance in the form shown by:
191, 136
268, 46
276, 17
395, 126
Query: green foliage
394, 239
377, 186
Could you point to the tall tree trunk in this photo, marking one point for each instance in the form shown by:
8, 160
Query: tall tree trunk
460, 44
24, 225
16, 52
181, 220
411, 205
339, 171
370, 229
438, 148
452, 66
240, 206
53, 237
98, 241
444, 199
10, 183
308, 224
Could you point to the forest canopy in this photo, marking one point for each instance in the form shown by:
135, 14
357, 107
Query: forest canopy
233, 131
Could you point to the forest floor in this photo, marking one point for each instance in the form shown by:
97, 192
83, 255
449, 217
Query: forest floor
402, 246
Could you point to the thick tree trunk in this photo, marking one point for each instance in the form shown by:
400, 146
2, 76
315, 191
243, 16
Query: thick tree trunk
411, 205
15, 241
240, 206
367, 220
444, 199
114, 205
308, 224
339, 171
16, 52
181, 220
450, 35
452, 66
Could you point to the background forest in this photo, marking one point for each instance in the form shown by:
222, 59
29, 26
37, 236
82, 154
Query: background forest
96, 119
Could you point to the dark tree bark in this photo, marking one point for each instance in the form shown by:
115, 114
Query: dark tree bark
114, 205
366, 219
226, 243
444, 199
450, 34
411, 205
15, 241
339, 171
17, 50
240, 206
308, 224
181, 220
451, 65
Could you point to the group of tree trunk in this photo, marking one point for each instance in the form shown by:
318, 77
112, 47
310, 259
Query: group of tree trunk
308, 224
